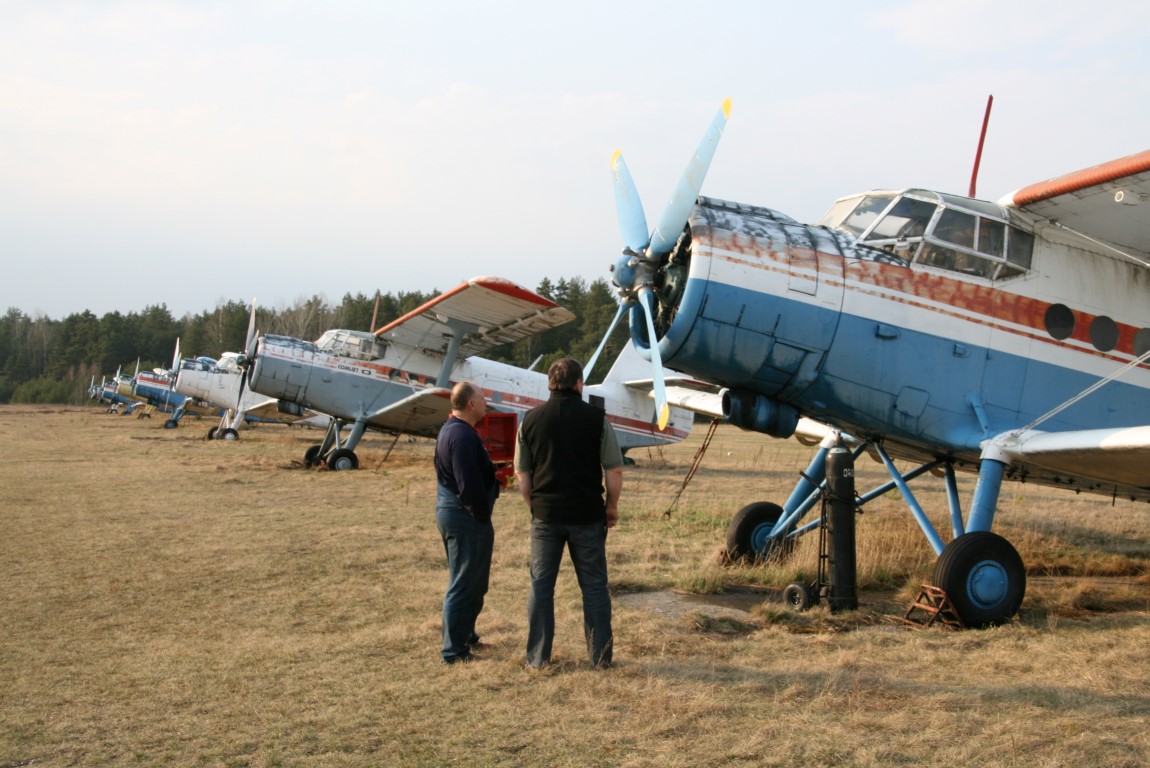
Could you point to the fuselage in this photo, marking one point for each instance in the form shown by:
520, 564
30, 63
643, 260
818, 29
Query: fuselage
870, 336
360, 375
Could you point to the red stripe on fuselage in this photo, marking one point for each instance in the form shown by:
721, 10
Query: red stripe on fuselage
997, 307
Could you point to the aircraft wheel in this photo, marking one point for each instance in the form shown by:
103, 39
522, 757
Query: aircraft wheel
229, 434
342, 460
748, 535
171, 424
797, 596
983, 575
212, 433
311, 456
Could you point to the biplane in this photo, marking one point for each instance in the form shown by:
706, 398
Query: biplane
1005, 338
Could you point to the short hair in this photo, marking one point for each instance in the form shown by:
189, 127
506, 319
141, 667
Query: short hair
461, 395
564, 373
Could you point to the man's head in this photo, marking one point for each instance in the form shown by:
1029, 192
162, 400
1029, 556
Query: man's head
468, 402
565, 373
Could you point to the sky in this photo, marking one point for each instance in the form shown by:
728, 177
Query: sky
194, 153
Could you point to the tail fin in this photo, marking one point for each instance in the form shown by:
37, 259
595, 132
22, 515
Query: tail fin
628, 366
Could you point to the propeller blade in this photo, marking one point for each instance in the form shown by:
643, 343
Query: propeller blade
595, 357
251, 326
628, 206
687, 190
653, 344
176, 356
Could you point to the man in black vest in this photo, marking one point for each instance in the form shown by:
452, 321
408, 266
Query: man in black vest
466, 494
565, 454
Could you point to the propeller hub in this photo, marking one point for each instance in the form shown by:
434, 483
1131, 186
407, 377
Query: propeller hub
623, 270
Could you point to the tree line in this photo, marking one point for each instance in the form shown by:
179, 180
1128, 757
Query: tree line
53, 361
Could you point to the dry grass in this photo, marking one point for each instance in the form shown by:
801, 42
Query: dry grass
169, 600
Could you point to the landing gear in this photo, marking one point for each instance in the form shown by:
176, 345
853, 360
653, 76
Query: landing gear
342, 460
311, 457
749, 534
980, 572
338, 454
212, 433
171, 424
228, 434
983, 575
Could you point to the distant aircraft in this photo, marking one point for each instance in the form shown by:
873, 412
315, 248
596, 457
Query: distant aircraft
222, 384
398, 379
108, 392
1009, 339
157, 388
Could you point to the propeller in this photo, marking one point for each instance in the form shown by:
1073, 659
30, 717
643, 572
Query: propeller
636, 271
246, 356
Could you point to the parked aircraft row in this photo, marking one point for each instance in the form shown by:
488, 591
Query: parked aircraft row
1006, 338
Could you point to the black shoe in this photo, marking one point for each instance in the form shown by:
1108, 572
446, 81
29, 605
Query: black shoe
464, 659
474, 641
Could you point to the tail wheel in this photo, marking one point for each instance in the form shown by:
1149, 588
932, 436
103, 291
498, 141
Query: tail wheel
749, 534
342, 460
983, 575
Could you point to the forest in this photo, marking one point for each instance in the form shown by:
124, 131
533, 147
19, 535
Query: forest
43, 360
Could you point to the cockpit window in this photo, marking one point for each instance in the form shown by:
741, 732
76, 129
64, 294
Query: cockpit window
865, 213
355, 344
908, 218
948, 232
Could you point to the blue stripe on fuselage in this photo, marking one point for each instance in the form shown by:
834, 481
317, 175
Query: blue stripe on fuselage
905, 384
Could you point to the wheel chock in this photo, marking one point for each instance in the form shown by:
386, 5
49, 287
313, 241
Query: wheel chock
936, 606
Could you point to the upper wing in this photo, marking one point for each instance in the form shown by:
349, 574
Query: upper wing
422, 412
1108, 202
1112, 461
489, 311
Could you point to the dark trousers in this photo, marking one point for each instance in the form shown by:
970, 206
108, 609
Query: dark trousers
468, 545
587, 545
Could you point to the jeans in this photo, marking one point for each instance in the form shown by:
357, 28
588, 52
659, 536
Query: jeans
587, 545
468, 546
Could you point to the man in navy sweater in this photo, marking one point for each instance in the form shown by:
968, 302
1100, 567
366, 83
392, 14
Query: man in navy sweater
466, 495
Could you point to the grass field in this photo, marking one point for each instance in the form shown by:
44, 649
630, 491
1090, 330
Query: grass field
167, 600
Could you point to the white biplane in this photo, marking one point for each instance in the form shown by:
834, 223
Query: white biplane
399, 378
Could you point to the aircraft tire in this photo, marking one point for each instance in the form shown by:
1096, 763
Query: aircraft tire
311, 456
748, 534
983, 575
342, 460
797, 596
171, 424
229, 434
212, 433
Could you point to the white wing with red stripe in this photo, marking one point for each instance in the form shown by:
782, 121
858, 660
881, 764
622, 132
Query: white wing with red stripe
488, 311
1108, 202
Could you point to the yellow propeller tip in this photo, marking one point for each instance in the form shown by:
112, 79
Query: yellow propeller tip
727, 107
664, 417
615, 157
